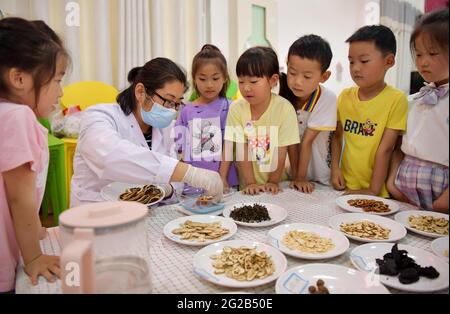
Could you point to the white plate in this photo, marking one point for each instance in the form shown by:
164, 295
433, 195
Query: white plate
397, 230
439, 246
402, 217
341, 243
226, 223
363, 257
112, 191
203, 264
342, 203
276, 213
338, 279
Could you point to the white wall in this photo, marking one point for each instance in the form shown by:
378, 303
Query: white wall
219, 26
231, 26
334, 20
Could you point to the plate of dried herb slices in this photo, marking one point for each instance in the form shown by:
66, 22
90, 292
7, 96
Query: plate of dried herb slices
199, 230
149, 194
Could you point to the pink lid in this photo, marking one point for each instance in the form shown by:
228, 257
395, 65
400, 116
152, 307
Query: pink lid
103, 215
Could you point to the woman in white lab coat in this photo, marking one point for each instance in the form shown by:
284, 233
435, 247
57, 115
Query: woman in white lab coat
129, 142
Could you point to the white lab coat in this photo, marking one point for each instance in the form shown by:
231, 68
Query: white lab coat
111, 147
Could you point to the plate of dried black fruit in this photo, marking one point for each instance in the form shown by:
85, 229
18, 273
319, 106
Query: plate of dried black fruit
255, 214
402, 266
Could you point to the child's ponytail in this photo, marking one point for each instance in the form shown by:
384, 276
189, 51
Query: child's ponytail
210, 53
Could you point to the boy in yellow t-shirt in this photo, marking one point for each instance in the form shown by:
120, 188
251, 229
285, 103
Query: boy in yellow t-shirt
371, 116
262, 124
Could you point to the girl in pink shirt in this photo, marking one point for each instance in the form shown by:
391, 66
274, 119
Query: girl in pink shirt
33, 62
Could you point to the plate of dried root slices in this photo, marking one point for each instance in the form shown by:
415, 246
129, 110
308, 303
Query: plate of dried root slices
427, 223
308, 241
239, 263
368, 228
149, 194
367, 204
200, 230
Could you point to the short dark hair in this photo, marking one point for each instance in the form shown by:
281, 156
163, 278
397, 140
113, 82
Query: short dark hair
153, 75
382, 36
434, 25
259, 62
312, 47
210, 53
32, 47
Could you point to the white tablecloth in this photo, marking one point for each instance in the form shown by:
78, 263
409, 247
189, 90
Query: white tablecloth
172, 264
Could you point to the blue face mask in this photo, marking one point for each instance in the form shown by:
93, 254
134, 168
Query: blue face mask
159, 117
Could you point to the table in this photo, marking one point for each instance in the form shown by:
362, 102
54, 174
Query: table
172, 264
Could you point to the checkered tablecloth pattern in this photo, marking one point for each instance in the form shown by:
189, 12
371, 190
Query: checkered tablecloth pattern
172, 264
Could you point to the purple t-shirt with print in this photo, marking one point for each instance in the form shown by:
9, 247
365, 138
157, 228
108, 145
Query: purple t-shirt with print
199, 133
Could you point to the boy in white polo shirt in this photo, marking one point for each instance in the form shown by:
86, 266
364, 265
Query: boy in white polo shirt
308, 61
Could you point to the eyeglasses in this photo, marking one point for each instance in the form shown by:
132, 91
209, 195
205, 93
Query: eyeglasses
169, 103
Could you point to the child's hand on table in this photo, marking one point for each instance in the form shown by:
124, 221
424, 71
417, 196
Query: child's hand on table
304, 186
253, 189
44, 265
273, 188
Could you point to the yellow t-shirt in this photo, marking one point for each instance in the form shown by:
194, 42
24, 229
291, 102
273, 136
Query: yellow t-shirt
277, 127
364, 123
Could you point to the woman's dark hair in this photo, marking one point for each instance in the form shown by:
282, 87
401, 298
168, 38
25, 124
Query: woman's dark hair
435, 26
259, 62
153, 75
29, 47
212, 54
